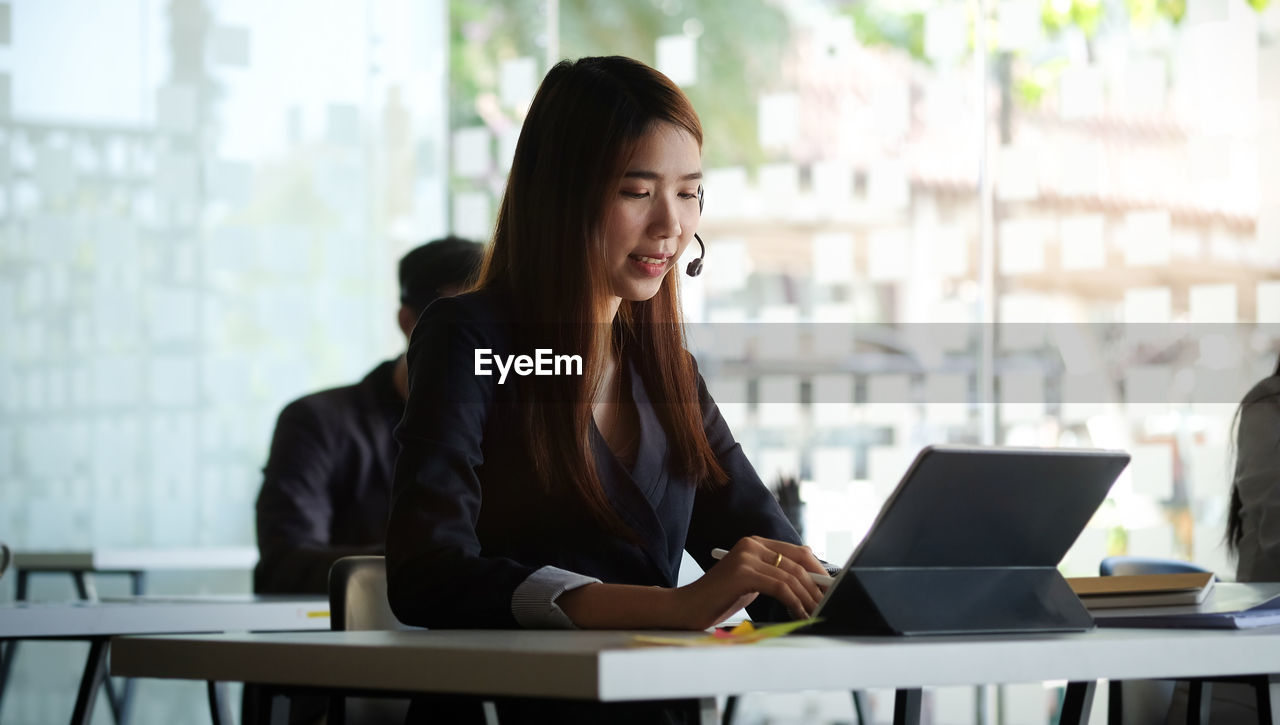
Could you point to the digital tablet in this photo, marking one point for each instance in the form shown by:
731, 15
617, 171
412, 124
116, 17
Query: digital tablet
986, 507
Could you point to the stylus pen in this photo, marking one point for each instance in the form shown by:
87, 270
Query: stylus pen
821, 580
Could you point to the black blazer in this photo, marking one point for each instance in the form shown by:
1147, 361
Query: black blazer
326, 488
469, 522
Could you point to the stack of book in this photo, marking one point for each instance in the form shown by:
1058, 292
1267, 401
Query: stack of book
1143, 590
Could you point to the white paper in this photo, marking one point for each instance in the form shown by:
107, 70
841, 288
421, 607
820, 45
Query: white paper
888, 253
727, 266
778, 119
472, 215
1148, 304
1082, 241
724, 191
1206, 11
779, 186
946, 33
832, 183
472, 155
1017, 179
677, 58
1082, 168
518, 82
832, 258
230, 46
1212, 303
1018, 25
1268, 303
888, 185
1080, 92
1147, 238
1144, 83
1022, 245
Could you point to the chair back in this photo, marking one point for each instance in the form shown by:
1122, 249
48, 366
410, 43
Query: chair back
1129, 565
358, 601
358, 595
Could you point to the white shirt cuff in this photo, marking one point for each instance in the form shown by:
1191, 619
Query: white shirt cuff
534, 602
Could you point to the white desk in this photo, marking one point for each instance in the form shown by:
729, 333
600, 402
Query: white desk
134, 562
80, 564
604, 666
98, 621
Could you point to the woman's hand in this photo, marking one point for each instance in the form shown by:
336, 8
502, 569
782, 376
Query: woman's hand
754, 566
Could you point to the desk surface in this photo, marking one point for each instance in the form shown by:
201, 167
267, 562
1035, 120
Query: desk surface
153, 615
110, 559
605, 665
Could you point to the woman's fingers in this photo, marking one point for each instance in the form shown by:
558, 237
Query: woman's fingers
782, 583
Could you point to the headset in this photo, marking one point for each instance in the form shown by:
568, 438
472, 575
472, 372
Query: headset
695, 267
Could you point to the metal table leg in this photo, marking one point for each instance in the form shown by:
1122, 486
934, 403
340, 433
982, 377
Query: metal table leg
95, 671
1077, 703
906, 706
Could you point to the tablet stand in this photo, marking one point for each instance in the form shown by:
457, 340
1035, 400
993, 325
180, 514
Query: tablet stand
952, 600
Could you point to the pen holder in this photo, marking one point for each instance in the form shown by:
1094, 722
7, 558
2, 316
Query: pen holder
952, 600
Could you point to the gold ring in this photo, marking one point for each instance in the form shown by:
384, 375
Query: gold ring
778, 561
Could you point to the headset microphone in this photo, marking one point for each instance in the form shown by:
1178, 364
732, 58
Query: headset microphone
695, 267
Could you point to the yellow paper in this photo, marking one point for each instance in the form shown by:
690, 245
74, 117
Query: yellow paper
745, 633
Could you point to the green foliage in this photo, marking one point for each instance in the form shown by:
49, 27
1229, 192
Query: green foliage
1083, 14
740, 50
874, 24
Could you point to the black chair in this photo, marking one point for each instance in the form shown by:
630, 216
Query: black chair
1150, 700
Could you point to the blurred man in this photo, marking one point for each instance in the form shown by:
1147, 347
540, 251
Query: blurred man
326, 488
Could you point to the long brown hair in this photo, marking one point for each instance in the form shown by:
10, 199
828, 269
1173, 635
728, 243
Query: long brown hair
1235, 510
548, 257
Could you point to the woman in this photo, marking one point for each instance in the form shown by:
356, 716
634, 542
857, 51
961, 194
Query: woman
565, 500
1253, 521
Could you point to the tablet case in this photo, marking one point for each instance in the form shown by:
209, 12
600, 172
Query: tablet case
969, 542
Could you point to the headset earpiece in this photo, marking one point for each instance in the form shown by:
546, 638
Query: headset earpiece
695, 266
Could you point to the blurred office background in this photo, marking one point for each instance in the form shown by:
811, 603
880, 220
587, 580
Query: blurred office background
1029, 222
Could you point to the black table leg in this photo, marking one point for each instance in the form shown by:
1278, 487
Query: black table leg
84, 586
730, 709
9, 651
1077, 703
219, 709
95, 671
906, 706
1199, 700
860, 707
